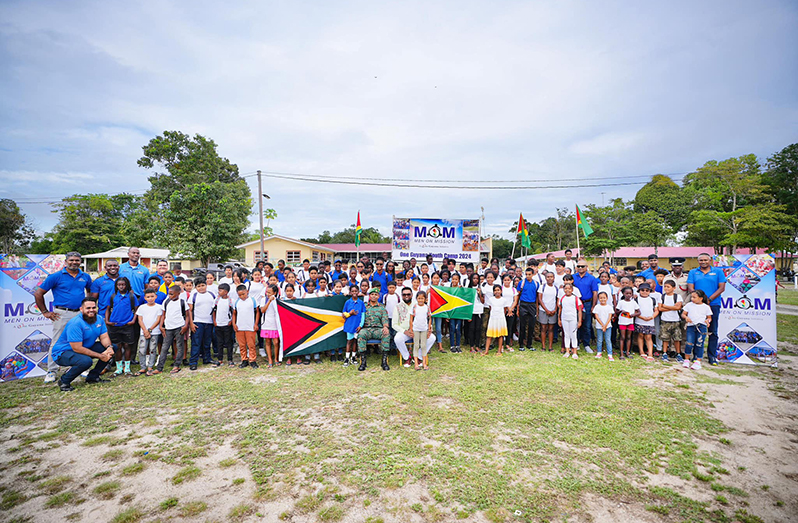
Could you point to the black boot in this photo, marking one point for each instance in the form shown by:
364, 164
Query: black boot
362, 361
385, 361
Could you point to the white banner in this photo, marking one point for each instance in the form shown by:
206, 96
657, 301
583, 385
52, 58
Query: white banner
25, 333
747, 323
419, 237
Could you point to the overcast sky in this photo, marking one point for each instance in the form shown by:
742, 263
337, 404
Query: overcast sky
457, 90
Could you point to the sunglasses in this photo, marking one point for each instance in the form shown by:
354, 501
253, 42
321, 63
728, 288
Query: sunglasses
581, 265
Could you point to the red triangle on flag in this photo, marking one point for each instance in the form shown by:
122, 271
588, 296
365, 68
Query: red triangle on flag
296, 326
436, 301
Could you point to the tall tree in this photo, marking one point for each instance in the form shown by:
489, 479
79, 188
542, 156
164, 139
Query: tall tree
612, 228
369, 235
663, 196
651, 230
91, 223
16, 234
781, 177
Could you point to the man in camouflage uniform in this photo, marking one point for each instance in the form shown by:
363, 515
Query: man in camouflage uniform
375, 326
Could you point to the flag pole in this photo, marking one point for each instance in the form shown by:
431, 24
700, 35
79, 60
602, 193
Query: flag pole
576, 220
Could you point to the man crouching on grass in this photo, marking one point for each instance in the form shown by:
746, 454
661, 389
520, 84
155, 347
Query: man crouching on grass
78, 345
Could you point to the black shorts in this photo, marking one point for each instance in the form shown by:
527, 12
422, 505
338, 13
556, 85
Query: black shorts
124, 334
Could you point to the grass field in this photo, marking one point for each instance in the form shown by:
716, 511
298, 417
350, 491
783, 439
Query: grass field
522, 437
788, 296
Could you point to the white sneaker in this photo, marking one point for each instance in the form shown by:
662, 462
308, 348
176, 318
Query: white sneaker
574, 356
262, 353
84, 374
696, 365
610, 358
686, 364
50, 377
588, 349
598, 355
566, 355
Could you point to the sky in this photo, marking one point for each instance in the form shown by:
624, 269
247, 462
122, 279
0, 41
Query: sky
462, 91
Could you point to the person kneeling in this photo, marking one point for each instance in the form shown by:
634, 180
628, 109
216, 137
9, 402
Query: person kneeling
78, 345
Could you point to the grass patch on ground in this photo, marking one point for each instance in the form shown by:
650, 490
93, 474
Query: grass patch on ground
108, 489
787, 328
788, 296
527, 432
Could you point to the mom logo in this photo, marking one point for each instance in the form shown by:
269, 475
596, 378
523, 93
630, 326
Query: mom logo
436, 231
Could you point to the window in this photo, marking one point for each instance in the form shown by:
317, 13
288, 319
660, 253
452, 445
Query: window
258, 256
317, 256
619, 262
293, 257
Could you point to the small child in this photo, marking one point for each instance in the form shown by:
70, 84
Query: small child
149, 316
698, 315
548, 296
201, 304
570, 319
175, 323
421, 320
644, 323
670, 328
354, 313
603, 314
627, 310
245, 317
120, 317
223, 324
323, 290
269, 323
168, 281
497, 324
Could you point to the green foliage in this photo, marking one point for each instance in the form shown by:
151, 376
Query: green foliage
16, 234
781, 177
651, 229
369, 235
206, 219
664, 197
501, 248
612, 227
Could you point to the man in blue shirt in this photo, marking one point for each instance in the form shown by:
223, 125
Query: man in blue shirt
78, 345
104, 287
380, 276
135, 272
527, 307
588, 286
69, 286
712, 281
653, 265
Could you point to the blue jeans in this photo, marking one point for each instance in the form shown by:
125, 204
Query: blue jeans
201, 342
80, 363
455, 331
585, 331
604, 338
694, 344
438, 329
712, 346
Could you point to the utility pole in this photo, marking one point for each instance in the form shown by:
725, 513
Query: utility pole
260, 214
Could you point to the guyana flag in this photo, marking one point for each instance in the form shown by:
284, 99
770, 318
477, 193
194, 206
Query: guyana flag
524, 232
311, 325
358, 230
582, 224
452, 302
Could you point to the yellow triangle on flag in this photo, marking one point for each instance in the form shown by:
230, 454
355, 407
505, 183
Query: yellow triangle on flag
451, 302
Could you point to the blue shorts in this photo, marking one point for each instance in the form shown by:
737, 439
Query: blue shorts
351, 336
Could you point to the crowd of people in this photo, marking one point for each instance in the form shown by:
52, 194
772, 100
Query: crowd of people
129, 318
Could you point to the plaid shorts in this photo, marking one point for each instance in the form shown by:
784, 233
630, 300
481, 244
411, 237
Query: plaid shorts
670, 331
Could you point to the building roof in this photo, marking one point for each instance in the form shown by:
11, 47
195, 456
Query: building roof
121, 252
643, 252
364, 247
316, 246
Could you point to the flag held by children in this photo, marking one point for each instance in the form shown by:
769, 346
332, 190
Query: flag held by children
524, 232
358, 231
311, 325
452, 302
582, 223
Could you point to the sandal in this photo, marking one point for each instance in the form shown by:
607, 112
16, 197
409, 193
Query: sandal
150, 373
142, 372
174, 370
156, 371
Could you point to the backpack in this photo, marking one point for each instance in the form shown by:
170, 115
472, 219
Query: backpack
182, 306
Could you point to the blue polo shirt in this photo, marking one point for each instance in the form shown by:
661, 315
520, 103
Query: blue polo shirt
124, 310
68, 291
336, 275
648, 273
352, 323
137, 275
586, 285
383, 279
104, 287
528, 290
708, 282
159, 298
77, 329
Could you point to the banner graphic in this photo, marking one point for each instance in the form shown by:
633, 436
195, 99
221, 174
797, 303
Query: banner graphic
419, 237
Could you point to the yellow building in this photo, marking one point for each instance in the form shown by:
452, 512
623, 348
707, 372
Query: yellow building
283, 248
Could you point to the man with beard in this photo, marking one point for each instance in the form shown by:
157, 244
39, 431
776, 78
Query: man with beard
78, 345
404, 331
69, 286
375, 326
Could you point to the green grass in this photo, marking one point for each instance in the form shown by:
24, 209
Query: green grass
108, 489
241, 511
132, 469
59, 500
11, 499
55, 484
787, 328
168, 503
788, 296
527, 431
131, 515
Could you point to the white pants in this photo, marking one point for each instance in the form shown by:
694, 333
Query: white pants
401, 338
569, 334
58, 328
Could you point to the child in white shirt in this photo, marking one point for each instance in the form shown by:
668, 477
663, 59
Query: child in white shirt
421, 321
627, 310
570, 319
149, 316
698, 315
603, 314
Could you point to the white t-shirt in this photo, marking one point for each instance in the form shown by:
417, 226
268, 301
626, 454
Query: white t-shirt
558, 280
174, 313
245, 313
608, 288
257, 289
602, 313
548, 296
629, 307
270, 319
302, 275
391, 301
698, 313
670, 300
228, 281
570, 264
552, 268
299, 290
569, 306
647, 306
149, 315
420, 317
496, 303
202, 307
509, 294
224, 311
213, 288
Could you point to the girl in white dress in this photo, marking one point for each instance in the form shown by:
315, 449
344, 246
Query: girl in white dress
497, 324
570, 319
